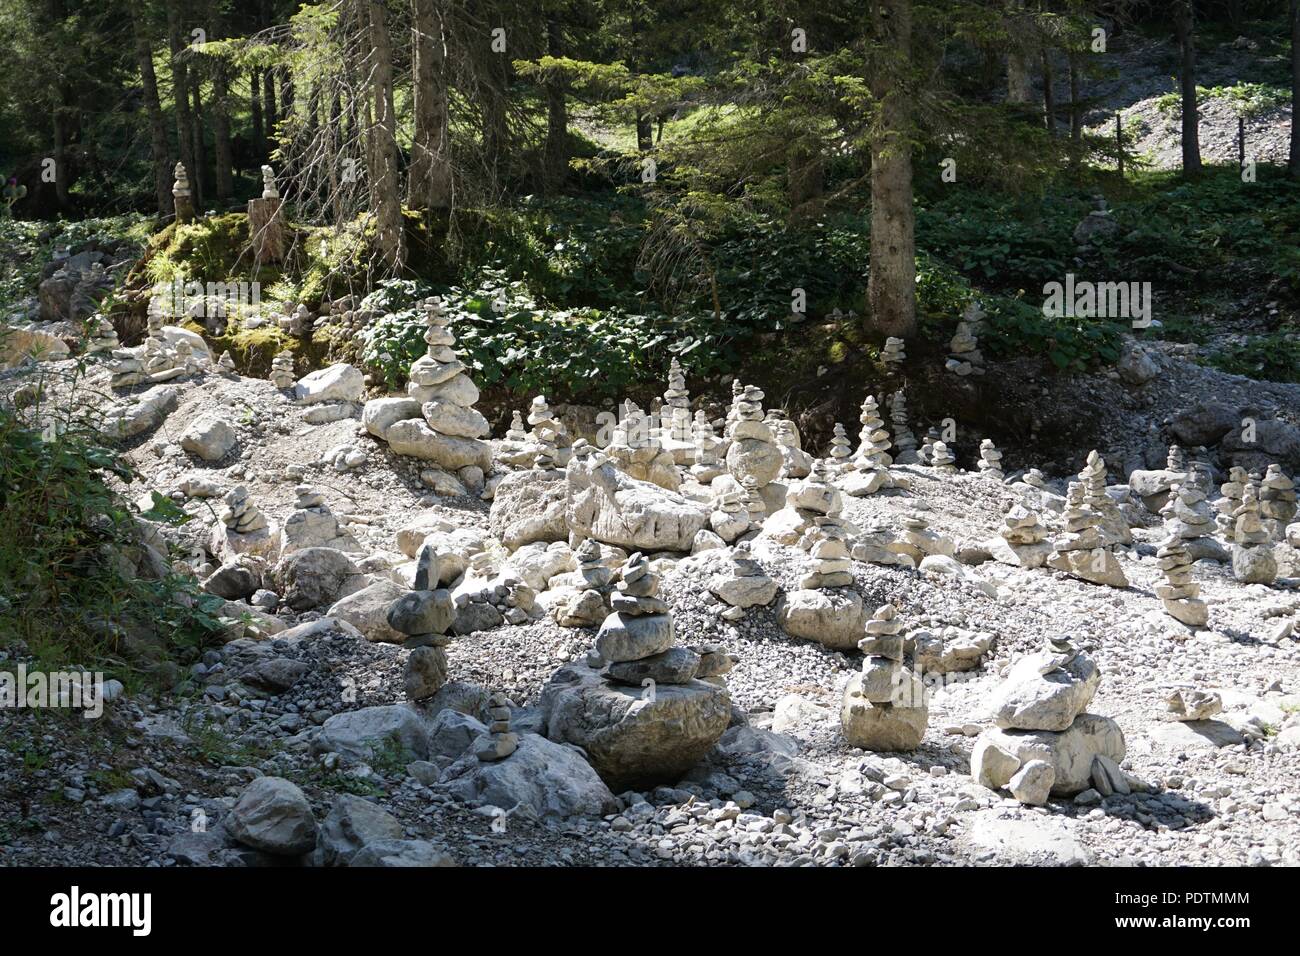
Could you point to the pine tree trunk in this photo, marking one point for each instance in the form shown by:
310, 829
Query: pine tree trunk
891, 284
270, 116
223, 153
181, 93
383, 131
430, 173
255, 108
1049, 95
199, 175
556, 164
1294, 160
1020, 87
159, 149
1076, 108
1183, 28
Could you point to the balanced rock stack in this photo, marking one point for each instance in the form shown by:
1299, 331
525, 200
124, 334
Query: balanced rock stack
742, 584
832, 565
964, 354
884, 706
872, 458
499, 742
282, 375
707, 464
587, 607
1188, 518
637, 450
102, 337
515, 449
841, 450
1233, 491
127, 369
730, 518
926, 455
1021, 540
892, 353
424, 615
1080, 552
449, 433
752, 497
1176, 461
806, 500
825, 608
942, 459
676, 413
1045, 744
226, 364
1114, 529
990, 463
1252, 557
644, 718
1179, 595
1153, 486
242, 529
796, 463
904, 440
753, 452
1277, 501
917, 540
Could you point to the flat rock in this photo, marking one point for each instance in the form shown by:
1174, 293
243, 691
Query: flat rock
834, 618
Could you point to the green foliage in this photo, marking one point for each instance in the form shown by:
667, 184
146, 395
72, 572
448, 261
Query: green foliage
1273, 357
68, 544
1248, 99
1018, 328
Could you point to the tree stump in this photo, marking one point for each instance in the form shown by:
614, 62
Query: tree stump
266, 230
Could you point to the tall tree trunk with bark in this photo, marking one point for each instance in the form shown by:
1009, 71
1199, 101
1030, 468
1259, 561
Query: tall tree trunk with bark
1293, 164
430, 173
222, 151
891, 285
556, 163
255, 109
1049, 94
181, 91
199, 176
159, 148
1020, 87
383, 135
1184, 30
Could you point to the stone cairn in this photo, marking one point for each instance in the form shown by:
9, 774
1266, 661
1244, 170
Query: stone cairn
240, 515
1176, 461
1179, 594
1045, 743
226, 364
587, 607
182, 196
541, 418
1114, 528
743, 584
636, 641
516, 433
1233, 490
282, 370
1080, 551
841, 450
753, 501
1022, 540
637, 449
730, 518
677, 403
873, 439
926, 454
964, 355
126, 369
892, 353
904, 440
753, 452
990, 463
832, 565
102, 337
1277, 501
917, 540
424, 614
500, 741
707, 464
797, 463
1187, 517
439, 381
884, 706
1252, 556
942, 459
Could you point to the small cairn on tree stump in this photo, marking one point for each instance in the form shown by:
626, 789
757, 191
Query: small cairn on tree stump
265, 225
182, 197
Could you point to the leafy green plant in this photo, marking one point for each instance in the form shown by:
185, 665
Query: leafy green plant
1274, 357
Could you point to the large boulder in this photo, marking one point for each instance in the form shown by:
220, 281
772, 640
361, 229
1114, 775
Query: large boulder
1030, 700
381, 414
634, 738
316, 528
367, 611
613, 508
352, 824
17, 344
1273, 441
334, 383
372, 731
529, 506
880, 726
209, 436
143, 413
414, 438
549, 778
1000, 754
273, 815
1204, 423
833, 617
316, 577
751, 457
